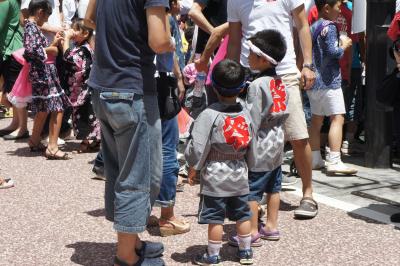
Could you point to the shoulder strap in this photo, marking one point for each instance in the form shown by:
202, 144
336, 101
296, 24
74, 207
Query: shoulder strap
320, 27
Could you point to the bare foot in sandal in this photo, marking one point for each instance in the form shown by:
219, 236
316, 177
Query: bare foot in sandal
173, 226
56, 155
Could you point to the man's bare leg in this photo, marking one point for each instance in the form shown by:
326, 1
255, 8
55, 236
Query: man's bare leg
126, 247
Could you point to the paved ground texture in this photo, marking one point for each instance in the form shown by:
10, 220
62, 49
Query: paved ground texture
55, 216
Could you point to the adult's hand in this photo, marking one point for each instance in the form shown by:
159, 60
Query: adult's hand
201, 65
181, 89
307, 78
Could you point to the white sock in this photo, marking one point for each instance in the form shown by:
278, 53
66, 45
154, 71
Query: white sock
316, 157
334, 156
213, 247
244, 242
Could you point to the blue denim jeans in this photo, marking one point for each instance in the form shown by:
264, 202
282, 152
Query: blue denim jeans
131, 148
170, 141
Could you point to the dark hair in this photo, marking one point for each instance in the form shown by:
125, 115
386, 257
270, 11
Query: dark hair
321, 3
270, 42
228, 77
35, 5
79, 24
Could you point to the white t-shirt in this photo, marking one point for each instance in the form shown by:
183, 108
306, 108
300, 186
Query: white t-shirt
82, 7
308, 4
260, 15
69, 10
397, 6
186, 5
54, 19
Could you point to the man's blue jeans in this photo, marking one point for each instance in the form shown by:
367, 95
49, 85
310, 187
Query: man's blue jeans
131, 147
170, 140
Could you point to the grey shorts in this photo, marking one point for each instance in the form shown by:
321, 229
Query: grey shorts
131, 146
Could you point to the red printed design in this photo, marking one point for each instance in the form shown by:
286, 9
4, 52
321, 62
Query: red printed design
278, 93
236, 132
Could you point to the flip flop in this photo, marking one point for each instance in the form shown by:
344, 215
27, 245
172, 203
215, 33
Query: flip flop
7, 183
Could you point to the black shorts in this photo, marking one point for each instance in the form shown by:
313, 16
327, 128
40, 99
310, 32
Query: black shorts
10, 69
214, 210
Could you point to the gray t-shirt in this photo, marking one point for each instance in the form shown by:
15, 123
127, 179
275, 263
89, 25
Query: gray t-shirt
267, 103
219, 140
123, 60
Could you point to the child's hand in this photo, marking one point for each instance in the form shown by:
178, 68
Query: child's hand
57, 39
69, 34
345, 42
192, 176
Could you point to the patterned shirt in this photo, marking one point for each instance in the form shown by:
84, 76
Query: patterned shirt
326, 55
219, 140
266, 101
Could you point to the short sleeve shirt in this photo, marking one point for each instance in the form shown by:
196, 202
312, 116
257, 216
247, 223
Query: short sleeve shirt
260, 15
123, 59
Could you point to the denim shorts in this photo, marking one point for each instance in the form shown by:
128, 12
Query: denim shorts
131, 148
268, 182
214, 210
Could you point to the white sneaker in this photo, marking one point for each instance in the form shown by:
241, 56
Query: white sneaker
318, 165
340, 168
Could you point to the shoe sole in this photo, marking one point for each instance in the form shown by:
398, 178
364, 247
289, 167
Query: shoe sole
253, 245
164, 232
271, 238
341, 172
305, 214
206, 264
246, 261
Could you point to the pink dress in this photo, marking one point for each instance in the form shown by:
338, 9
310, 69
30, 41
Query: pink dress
21, 93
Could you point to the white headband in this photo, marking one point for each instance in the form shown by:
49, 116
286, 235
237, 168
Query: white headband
258, 51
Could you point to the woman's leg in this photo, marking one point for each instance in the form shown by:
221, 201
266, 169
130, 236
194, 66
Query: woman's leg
14, 122
38, 123
54, 131
22, 115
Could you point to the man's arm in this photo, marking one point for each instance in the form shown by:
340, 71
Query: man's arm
159, 37
90, 16
303, 29
179, 78
235, 41
215, 39
198, 17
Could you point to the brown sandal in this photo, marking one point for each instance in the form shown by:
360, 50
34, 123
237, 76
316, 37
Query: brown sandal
87, 147
36, 148
54, 156
175, 227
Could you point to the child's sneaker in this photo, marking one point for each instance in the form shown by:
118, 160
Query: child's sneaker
245, 256
340, 168
207, 260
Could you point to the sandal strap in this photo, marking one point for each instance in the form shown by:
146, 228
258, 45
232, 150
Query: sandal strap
310, 201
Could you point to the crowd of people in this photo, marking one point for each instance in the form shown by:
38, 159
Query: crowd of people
208, 91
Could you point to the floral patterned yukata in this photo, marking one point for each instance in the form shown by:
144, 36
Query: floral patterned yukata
77, 65
47, 93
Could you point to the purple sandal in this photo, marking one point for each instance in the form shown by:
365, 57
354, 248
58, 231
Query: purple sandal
269, 235
255, 241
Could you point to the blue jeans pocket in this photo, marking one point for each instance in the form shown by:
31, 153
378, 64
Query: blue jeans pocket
120, 109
